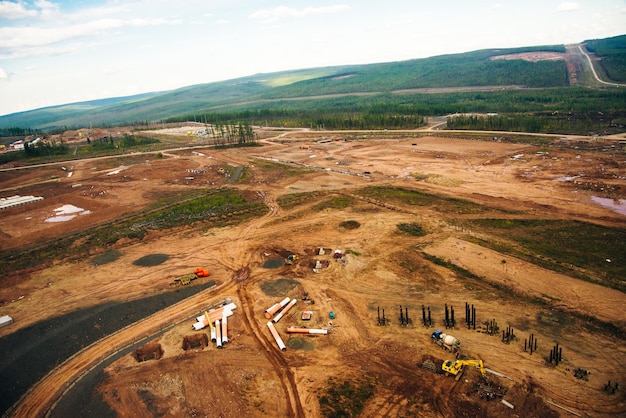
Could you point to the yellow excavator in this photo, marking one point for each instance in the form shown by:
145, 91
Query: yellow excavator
455, 367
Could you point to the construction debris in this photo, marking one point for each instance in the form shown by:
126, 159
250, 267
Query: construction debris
187, 278
582, 374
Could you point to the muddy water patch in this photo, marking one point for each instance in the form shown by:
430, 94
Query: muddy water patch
617, 205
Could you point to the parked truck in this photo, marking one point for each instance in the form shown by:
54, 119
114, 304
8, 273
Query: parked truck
445, 341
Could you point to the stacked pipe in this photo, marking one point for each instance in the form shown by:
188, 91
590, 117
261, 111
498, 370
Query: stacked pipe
285, 310
211, 316
213, 332
269, 312
279, 340
294, 330
224, 329
218, 330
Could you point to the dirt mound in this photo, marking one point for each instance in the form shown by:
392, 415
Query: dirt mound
150, 351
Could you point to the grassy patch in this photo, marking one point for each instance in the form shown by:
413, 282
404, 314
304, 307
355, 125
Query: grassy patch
296, 199
151, 260
555, 317
336, 202
412, 229
349, 225
413, 197
345, 398
282, 170
438, 179
587, 251
216, 208
299, 343
108, 256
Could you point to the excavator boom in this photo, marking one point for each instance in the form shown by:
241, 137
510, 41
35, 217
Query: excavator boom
456, 367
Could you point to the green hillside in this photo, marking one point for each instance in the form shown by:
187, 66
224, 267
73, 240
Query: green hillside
612, 53
474, 82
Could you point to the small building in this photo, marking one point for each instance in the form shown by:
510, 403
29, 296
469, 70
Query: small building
5, 320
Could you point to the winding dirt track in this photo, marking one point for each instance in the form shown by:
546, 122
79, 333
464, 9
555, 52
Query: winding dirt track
41, 397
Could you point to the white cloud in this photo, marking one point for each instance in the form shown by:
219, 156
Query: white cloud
495, 6
3, 74
12, 10
284, 12
568, 6
48, 9
30, 40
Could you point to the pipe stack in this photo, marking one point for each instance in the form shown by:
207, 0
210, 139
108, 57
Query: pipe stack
279, 340
269, 312
285, 310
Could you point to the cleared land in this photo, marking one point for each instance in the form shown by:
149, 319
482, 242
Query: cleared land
349, 195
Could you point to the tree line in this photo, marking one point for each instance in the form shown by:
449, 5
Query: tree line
563, 123
42, 148
229, 134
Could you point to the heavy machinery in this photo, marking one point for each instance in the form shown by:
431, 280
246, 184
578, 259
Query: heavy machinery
291, 258
455, 367
446, 341
185, 279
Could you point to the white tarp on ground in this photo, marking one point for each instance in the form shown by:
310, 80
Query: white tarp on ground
67, 213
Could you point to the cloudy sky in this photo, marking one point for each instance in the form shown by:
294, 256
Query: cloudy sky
56, 52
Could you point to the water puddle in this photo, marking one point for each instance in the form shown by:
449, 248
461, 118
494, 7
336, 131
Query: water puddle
617, 205
568, 178
273, 263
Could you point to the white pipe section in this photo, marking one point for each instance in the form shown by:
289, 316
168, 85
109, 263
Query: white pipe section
218, 342
212, 316
213, 333
224, 329
284, 311
293, 330
276, 336
274, 308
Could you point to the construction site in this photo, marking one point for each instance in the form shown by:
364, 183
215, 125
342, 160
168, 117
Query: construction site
372, 282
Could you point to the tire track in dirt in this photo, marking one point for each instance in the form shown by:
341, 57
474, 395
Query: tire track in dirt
239, 246
287, 379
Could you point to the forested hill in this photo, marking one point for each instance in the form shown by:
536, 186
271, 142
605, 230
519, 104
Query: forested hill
341, 87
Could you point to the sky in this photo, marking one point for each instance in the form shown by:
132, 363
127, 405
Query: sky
66, 51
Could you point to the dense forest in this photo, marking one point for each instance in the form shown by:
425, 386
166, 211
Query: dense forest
612, 52
394, 95
578, 111
592, 123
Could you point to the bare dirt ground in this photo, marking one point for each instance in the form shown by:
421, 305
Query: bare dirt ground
250, 376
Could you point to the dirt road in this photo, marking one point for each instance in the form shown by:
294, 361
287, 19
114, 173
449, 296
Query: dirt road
381, 268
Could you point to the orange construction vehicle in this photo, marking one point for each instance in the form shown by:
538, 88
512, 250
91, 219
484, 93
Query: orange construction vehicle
187, 278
